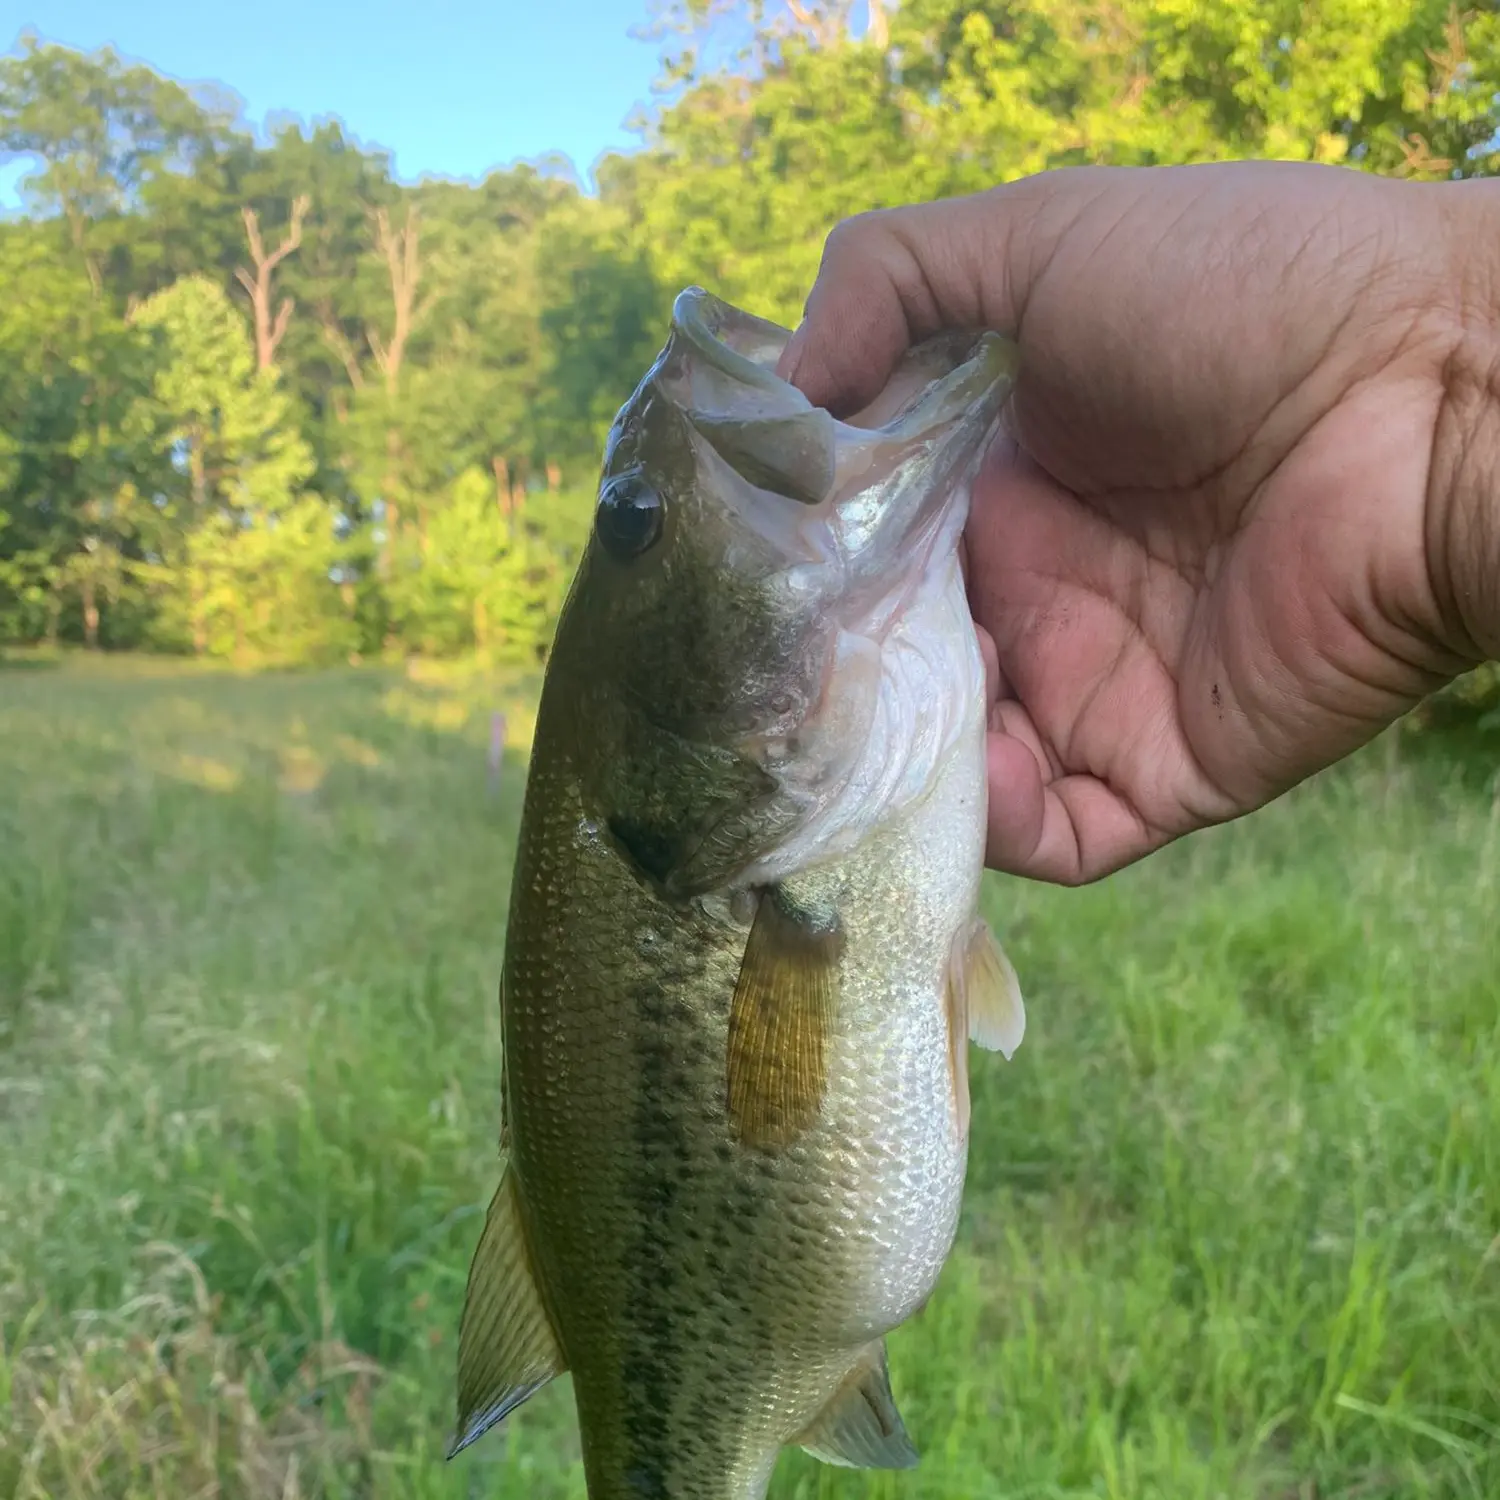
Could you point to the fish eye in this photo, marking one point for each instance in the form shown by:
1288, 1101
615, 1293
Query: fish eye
628, 520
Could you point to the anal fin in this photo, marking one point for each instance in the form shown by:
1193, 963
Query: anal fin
860, 1427
780, 1019
507, 1349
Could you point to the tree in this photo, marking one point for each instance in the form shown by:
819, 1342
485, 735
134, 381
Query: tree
260, 588
481, 378
603, 311
483, 582
782, 120
103, 131
228, 422
433, 356
379, 431
76, 450
269, 331
331, 281
238, 456
1393, 85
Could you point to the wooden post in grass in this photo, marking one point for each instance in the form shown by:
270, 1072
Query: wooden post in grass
497, 749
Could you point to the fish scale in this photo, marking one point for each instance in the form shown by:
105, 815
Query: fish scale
735, 1093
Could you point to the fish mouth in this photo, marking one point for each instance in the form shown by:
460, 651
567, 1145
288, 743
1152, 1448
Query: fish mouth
737, 344
936, 380
877, 478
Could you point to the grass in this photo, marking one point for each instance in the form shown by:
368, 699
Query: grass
1233, 1224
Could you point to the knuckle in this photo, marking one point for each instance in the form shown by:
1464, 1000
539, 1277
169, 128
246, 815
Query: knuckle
853, 236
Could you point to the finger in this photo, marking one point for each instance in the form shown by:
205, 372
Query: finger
1010, 717
1067, 832
994, 683
1017, 805
887, 279
891, 277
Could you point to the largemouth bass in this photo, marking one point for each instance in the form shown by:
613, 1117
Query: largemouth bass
744, 958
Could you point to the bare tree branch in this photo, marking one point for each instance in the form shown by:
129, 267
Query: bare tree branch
828, 20
401, 250
378, 349
1447, 61
269, 332
333, 336
283, 318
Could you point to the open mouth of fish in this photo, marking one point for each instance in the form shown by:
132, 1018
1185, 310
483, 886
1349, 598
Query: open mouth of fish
886, 482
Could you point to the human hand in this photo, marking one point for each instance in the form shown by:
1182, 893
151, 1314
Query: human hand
1249, 509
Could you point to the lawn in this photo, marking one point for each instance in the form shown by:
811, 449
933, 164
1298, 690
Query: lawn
1233, 1220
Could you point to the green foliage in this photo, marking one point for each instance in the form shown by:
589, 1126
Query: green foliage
75, 449
1231, 1214
106, 134
593, 272
260, 587
488, 575
227, 424
438, 364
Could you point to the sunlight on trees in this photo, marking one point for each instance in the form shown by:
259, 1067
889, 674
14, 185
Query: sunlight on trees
259, 400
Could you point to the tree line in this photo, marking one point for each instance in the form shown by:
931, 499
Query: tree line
260, 400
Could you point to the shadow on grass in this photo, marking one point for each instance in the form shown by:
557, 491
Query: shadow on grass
12, 662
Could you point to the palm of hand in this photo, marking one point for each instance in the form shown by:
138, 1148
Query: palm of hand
1190, 602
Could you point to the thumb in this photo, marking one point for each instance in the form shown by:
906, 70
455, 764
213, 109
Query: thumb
893, 276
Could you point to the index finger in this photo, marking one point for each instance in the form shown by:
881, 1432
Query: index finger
891, 277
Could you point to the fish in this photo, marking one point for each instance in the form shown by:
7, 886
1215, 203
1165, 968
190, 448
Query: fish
745, 955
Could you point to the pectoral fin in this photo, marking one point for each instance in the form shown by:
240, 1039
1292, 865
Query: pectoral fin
984, 1006
780, 1019
861, 1428
507, 1350
992, 993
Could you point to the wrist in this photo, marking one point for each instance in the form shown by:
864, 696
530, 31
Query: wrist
1463, 499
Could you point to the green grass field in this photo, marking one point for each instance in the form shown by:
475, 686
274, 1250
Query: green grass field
1233, 1223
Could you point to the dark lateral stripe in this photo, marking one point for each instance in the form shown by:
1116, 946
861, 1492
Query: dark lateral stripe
663, 1157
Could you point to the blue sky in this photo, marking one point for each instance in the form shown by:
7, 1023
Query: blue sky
452, 87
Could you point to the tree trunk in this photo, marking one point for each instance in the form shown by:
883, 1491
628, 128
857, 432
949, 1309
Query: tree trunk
90, 615
401, 251
76, 223
388, 493
195, 613
198, 469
